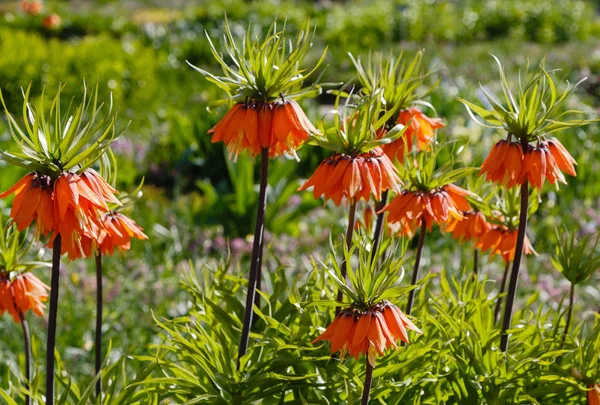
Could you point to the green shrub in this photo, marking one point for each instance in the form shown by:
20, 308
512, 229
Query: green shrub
124, 68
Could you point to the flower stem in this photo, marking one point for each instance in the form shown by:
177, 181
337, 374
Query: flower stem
514, 274
502, 288
27, 347
349, 234
99, 323
476, 261
368, 382
257, 288
256, 260
379, 224
415, 275
569, 313
51, 342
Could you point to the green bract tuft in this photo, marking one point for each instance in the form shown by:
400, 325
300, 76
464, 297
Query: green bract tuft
263, 69
421, 172
577, 260
54, 142
372, 278
400, 79
358, 124
533, 112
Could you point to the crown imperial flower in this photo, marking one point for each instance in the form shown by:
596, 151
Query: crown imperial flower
369, 332
472, 226
501, 240
263, 82
342, 176
25, 292
437, 206
279, 126
116, 233
419, 128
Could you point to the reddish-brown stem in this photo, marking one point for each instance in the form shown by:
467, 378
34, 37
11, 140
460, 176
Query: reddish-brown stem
514, 275
502, 288
256, 260
349, 235
415, 274
368, 382
27, 348
569, 312
379, 224
98, 354
52, 316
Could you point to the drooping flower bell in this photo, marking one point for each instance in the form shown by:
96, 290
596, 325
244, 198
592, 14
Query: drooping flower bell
547, 161
504, 164
420, 130
509, 165
34, 201
282, 127
117, 231
80, 203
341, 176
368, 332
25, 292
20, 289
439, 206
101, 189
429, 196
501, 240
472, 226
263, 82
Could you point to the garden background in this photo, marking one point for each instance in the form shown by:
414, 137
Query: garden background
198, 207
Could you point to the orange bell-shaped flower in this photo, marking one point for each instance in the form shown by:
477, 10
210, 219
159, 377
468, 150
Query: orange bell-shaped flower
25, 292
438, 206
117, 233
280, 126
420, 130
368, 332
34, 201
342, 176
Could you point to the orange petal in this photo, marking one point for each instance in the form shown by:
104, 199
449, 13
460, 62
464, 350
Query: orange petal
19, 185
362, 328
